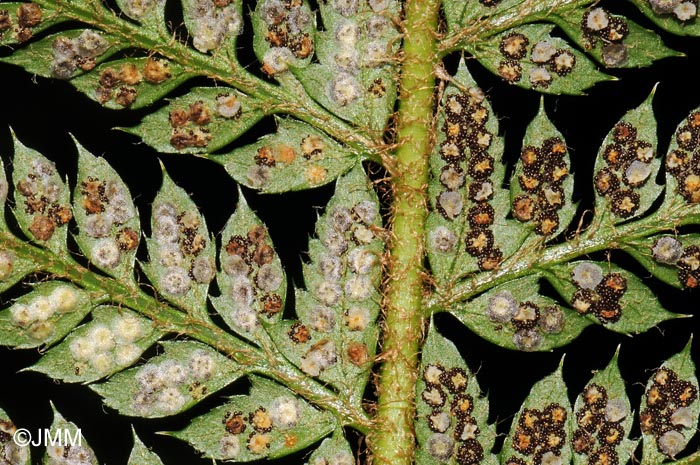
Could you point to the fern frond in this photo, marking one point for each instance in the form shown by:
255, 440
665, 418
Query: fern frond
182, 265
625, 185
511, 38
546, 430
92, 59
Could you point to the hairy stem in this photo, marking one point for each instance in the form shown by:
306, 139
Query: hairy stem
393, 441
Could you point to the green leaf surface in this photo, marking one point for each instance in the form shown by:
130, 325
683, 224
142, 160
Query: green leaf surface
543, 425
12, 267
112, 341
465, 14
42, 199
668, 258
65, 54
149, 13
682, 163
633, 47
283, 35
252, 282
182, 376
183, 257
609, 295
69, 444
213, 27
131, 82
469, 205
542, 186
354, 74
21, 21
529, 57
44, 315
667, 19
626, 167
452, 415
466, 18
202, 121
515, 316
669, 408
336, 336
296, 157
141, 455
366, 99
269, 422
4, 189
9, 450
603, 418
108, 222
335, 450
453, 11
693, 459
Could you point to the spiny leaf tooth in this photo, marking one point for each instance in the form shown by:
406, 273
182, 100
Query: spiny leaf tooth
4, 189
140, 454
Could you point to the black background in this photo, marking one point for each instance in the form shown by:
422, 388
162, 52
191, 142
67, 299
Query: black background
44, 112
